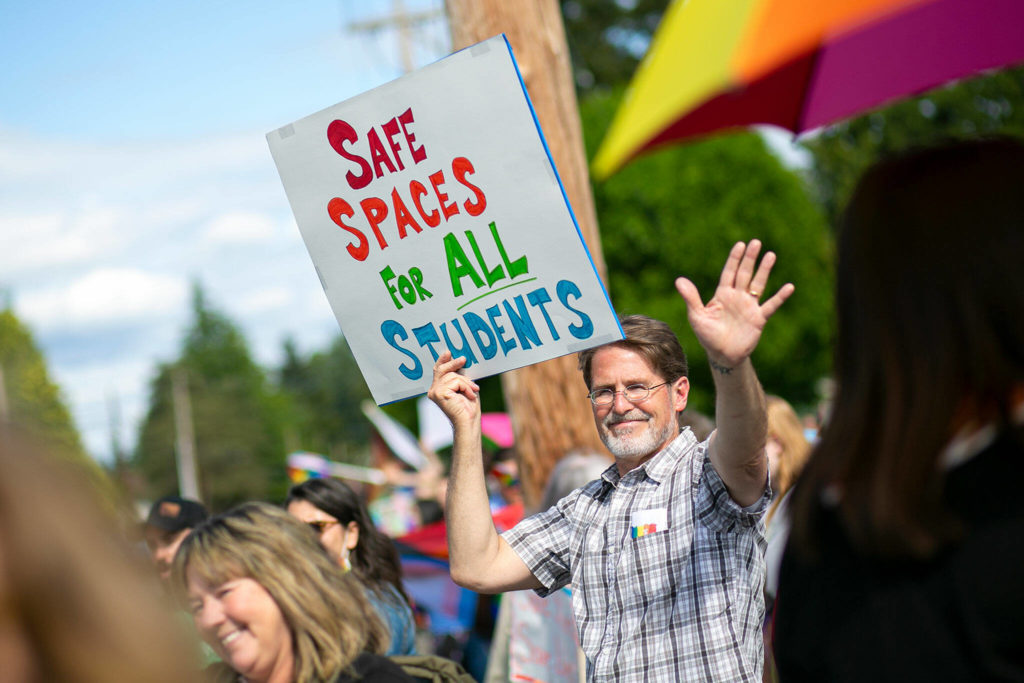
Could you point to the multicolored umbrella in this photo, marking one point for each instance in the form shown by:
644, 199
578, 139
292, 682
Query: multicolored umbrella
717, 64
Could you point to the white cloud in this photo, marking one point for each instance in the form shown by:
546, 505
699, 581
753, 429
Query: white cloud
53, 239
103, 297
25, 158
239, 228
264, 300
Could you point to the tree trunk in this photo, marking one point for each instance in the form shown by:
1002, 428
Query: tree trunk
550, 413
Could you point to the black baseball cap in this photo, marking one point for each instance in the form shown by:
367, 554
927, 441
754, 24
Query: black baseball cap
174, 513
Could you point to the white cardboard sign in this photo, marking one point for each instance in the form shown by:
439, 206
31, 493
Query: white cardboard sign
435, 219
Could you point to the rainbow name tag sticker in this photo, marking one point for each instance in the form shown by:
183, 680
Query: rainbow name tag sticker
647, 522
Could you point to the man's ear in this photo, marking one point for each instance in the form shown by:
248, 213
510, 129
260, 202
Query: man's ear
680, 393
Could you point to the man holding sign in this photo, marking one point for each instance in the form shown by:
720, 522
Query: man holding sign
665, 551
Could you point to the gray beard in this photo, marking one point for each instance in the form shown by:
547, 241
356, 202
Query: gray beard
629, 446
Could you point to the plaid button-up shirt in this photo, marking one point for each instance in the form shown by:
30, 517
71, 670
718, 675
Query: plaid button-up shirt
667, 571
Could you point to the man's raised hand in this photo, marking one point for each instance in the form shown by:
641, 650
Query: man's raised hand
730, 325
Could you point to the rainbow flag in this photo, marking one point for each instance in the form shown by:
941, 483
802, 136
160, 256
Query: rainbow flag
643, 530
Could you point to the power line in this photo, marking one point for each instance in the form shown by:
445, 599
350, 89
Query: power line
403, 22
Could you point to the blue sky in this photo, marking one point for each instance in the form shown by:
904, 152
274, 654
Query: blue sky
133, 163
121, 71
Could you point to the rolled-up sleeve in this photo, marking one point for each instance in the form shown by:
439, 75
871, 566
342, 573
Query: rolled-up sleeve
715, 508
542, 542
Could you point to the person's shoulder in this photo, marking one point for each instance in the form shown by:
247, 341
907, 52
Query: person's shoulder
433, 669
373, 668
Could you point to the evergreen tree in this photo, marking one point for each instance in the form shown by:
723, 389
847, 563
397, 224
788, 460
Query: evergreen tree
237, 417
32, 402
326, 391
31, 399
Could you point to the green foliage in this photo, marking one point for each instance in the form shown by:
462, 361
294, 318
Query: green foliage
677, 212
326, 390
607, 38
237, 418
987, 105
33, 401
34, 404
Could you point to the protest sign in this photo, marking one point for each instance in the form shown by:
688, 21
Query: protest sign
435, 219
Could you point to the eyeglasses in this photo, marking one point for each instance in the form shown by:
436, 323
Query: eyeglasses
634, 393
319, 525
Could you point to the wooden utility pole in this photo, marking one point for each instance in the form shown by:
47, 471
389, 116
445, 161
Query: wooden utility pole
184, 439
550, 412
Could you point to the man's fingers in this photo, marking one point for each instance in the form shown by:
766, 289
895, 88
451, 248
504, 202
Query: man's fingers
689, 292
442, 360
448, 382
732, 264
746, 268
450, 386
445, 364
769, 307
760, 282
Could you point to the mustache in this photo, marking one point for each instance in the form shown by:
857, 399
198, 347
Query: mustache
634, 414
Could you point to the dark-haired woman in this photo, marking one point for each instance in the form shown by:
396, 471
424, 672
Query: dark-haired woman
908, 533
345, 529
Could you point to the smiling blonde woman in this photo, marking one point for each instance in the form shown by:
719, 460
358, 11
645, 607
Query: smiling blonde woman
274, 606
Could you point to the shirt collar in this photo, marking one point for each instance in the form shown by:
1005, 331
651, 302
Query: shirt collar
662, 464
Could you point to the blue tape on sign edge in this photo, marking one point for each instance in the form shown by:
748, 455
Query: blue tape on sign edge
561, 186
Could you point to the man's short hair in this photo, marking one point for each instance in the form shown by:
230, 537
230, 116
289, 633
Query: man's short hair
174, 513
653, 340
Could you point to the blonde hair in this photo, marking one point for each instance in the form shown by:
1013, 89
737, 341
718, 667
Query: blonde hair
330, 619
784, 425
77, 604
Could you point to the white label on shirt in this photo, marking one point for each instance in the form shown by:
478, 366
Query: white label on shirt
646, 522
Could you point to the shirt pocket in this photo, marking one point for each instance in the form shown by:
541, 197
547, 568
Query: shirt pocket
658, 561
